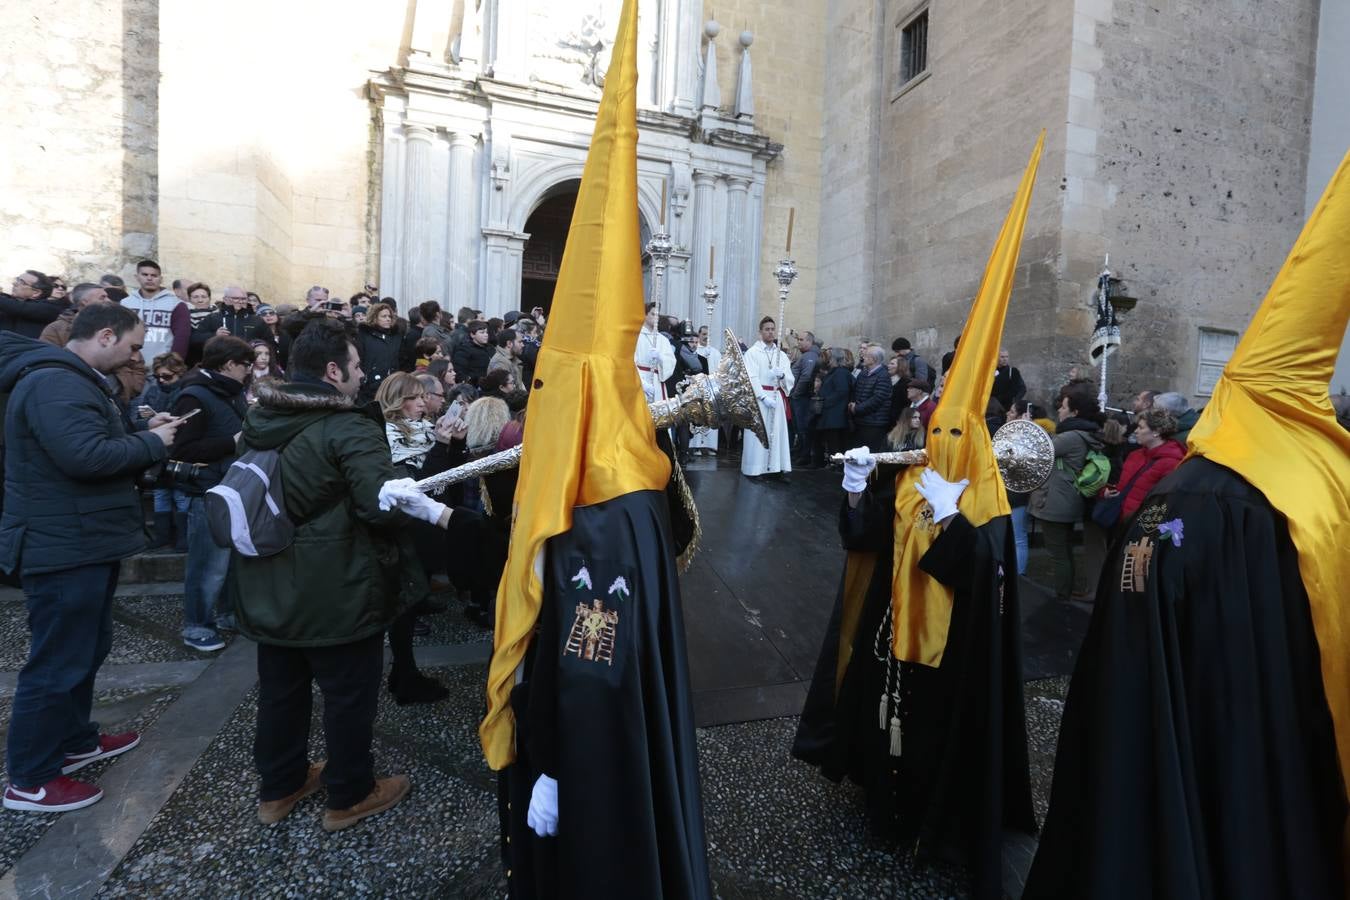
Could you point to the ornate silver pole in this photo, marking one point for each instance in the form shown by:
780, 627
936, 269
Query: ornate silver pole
786, 273
710, 295
660, 248
1104, 302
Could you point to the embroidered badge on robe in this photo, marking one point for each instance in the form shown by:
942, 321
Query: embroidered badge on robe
1134, 568
596, 635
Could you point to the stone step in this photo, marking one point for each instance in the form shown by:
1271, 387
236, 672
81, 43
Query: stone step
153, 567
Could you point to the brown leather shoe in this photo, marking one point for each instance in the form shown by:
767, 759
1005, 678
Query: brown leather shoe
273, 811
388, 792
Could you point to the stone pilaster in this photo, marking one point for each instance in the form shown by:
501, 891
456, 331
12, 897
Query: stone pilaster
462, 245
417, 249
738, 263
704, 185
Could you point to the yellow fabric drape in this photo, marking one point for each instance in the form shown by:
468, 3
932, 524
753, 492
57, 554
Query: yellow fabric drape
1270, 420
958, 447
589, 436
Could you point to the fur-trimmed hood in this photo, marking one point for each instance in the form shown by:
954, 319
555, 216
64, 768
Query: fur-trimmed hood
285, 410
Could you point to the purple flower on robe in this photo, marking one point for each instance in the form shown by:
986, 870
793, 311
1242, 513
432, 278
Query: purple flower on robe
1172, 529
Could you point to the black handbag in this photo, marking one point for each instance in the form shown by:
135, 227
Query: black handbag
1106, 512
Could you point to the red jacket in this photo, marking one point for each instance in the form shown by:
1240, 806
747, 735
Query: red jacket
1164, 458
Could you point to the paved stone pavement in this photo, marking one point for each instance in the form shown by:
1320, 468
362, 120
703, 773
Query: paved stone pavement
180, 815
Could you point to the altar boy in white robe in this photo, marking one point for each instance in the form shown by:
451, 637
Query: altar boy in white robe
705, 441
654, 357
771, 374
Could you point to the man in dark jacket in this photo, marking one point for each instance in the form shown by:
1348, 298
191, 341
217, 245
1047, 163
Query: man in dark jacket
871, 406
531, 340
71, 515
1008, 384
471, 357
30, 308
209, 439
803, 387
234, 317
319, 608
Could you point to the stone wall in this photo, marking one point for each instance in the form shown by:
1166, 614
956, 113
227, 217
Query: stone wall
77, 189
1200, 151
788, 66
953, 148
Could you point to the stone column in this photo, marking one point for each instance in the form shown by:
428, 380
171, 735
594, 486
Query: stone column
417, 231
738, 263
391, 213
688, 47
504, 256
704, 183
462, 243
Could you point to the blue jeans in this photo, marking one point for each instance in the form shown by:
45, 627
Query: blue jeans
207, 565
1019, 524
169, 500
70, 619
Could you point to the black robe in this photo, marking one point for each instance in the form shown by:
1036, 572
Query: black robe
1196, 758
611, 719
962, 775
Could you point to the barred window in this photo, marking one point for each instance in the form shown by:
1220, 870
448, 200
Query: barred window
914, 48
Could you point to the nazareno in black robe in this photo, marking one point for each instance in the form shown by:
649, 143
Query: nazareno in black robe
607, 712
962, 776
1196, 757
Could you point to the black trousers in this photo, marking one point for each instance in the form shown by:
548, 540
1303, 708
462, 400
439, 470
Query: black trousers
349, 677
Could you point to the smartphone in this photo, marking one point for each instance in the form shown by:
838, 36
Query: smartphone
183, 418
145, 412
335, 305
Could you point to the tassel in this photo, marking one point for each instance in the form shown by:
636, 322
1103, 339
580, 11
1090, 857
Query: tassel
882, 712
895, 735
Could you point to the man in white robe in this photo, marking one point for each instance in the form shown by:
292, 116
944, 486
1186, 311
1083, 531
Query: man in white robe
705, 442
771, 374
653, 356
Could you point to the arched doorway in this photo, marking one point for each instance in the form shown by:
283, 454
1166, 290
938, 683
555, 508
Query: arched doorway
542, 257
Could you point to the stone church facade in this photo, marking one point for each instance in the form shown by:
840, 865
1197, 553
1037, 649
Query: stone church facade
432, 147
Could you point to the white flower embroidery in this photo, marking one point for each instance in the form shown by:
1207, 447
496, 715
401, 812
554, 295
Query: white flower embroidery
583, 577
619, 586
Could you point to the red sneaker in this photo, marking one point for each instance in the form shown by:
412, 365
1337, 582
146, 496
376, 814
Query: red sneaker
108, 745
58, 795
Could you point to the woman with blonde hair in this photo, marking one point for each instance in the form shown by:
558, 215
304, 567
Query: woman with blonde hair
485, 418
402, 401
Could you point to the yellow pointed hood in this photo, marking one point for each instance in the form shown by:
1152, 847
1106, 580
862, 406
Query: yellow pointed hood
1270, 420
958, 447
588, 435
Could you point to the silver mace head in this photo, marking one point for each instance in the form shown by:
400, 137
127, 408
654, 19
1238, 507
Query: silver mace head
660, 247
710, 295
786, 273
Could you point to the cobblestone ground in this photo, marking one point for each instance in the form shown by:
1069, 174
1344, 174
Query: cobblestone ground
775, 828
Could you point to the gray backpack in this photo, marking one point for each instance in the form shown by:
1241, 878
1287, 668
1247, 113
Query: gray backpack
247, 510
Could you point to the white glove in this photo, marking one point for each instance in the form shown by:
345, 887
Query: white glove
770, 401
419, 505
543, 814
858, 464
655, 359
391, 489
940, 493
777, 374
649, 391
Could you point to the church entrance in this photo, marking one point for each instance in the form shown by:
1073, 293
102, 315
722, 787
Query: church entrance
547, 227
542, 257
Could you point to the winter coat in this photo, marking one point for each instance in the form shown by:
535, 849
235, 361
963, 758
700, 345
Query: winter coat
1058, 500
208, 437
352, 567
1008, 386
407, 356
29, 317
834, 388
242, 323
70, 463
1159, 460
440, 335
502, 359
804, 373
379, 350
471, 360
130, 376
872, 399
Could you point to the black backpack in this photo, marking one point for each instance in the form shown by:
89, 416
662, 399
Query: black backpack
247, 509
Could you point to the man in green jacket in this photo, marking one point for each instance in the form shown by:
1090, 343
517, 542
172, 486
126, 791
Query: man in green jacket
319, 609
